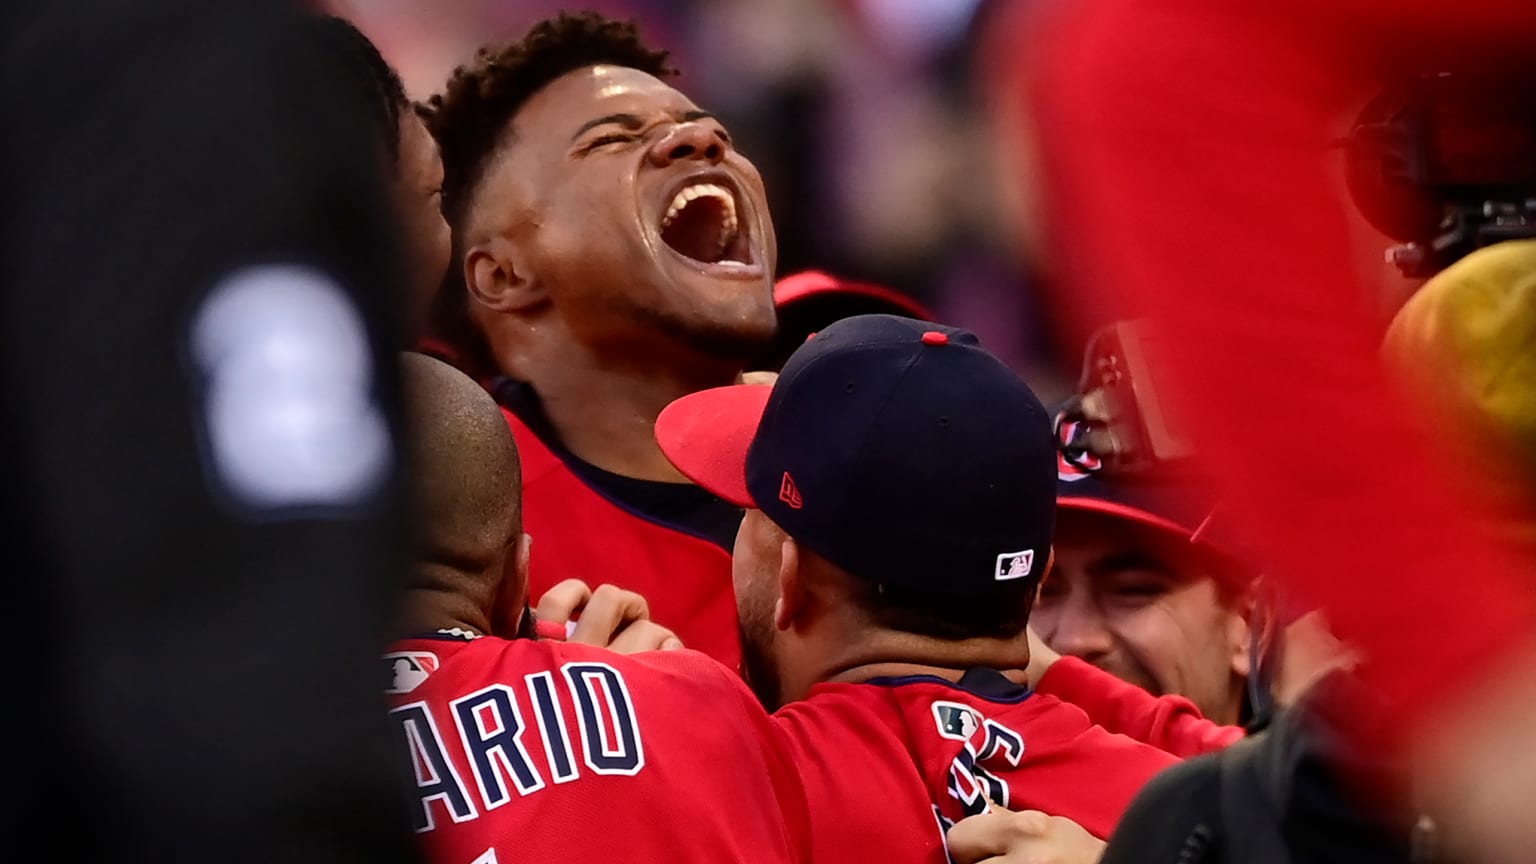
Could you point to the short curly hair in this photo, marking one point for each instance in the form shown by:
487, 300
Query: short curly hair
472, 117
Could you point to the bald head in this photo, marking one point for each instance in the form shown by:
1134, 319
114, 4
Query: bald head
465, 472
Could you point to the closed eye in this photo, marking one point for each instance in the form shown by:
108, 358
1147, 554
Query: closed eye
607, 139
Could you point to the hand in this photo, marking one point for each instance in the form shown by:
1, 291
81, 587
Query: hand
1002, 836
1309, 652
608, 617
1040, 658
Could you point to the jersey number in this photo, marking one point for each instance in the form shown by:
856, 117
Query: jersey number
971, 778
491, 726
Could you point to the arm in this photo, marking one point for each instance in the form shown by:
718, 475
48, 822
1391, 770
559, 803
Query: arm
1170, 723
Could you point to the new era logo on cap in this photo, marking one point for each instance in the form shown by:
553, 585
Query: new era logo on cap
789, 493
1014, 565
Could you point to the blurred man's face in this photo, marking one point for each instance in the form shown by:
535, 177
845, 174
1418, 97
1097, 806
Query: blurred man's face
755, 565
633, 210
1137, 603
419, 195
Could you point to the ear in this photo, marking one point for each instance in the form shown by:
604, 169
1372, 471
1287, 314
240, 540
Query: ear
1239, 637
512, 594
497, 280
521, 555
792, 597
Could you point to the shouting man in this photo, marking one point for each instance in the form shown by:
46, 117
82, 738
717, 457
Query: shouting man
614, 252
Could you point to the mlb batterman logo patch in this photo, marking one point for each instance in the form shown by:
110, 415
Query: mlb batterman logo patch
955, 721
1014, 565
407, 669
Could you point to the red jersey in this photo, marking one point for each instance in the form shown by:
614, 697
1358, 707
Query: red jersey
532, 751
579, 533
891, 763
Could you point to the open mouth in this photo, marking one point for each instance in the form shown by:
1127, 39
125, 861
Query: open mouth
701, 224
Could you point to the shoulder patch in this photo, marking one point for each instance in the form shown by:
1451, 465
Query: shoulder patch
956, 722
407, 669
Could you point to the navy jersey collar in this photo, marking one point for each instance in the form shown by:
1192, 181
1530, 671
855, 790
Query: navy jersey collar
979, 681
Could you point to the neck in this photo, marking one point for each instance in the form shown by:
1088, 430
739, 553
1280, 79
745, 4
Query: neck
441, 599
871, 671
604, 410
1232, 713
887, 654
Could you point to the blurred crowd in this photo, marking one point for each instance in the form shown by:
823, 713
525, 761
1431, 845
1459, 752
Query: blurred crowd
946, 432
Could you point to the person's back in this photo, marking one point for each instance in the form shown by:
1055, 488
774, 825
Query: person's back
550, 751
530, 750
981, 739
901, 489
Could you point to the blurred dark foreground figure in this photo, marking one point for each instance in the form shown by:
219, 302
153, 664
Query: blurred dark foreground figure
197, 301
1278, 796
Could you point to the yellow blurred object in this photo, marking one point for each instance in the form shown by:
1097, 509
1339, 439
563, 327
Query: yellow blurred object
1466, 342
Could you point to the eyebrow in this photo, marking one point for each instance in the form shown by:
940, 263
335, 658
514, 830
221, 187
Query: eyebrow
631, 121
628, 121
690, 116
1119, 562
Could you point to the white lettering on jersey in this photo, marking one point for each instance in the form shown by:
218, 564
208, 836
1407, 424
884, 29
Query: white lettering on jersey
492, 729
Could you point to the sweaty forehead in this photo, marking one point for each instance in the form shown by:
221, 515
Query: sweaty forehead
563, 105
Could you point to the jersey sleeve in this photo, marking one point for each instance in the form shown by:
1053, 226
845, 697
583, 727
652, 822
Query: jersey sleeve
1170, 723
778, 757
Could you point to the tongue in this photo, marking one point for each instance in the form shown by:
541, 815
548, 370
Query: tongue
695, 231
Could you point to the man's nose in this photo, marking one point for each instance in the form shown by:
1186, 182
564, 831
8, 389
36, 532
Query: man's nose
1076, 627
688, 141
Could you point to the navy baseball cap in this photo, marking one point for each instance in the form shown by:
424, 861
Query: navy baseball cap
899, 450
1178, 506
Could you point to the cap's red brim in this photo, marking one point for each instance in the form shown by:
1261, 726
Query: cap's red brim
1124, 511
814, 283
707, 435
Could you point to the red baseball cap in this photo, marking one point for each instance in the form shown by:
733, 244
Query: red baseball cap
707, 436
810, 285
811, 300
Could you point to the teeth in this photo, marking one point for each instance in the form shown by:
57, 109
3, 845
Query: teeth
706, 190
